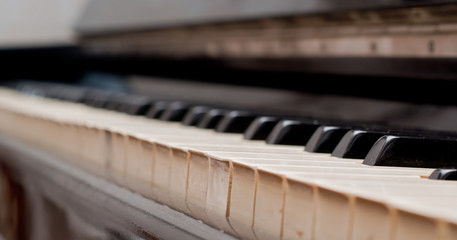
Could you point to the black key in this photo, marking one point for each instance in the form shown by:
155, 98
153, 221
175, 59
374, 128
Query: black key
132, 104
292, 132
194, 115
88, 98
96, 98
75, 95
127, 103
65, 93
444, 174
175, 111
55, 91
156, 110
211, 118
123, 107
413, 152
325, 139
51, 91
139, 106
34, 90
260, 128
101, 99
356, 144
112, 105
115, 102
235, 122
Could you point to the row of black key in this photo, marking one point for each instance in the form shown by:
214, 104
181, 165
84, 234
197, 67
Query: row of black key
377, 146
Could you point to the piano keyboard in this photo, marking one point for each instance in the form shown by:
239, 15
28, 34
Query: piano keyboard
248, 188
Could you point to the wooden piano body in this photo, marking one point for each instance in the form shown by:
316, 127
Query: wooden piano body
103, 139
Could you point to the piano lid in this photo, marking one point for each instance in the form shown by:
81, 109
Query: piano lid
406, 39
105, 16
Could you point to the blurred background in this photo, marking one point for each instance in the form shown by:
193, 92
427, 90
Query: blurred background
27, 23
327, 46
377, 52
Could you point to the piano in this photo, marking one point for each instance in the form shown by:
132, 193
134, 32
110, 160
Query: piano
234, 119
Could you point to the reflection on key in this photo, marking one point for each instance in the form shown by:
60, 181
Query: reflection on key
157, 109
98, 99
444, 174
325, 139
356, 144
235, 122
194, 115
139, 106
115, 101
260, 128
292, 132
174, 111
211, 118
412, 152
